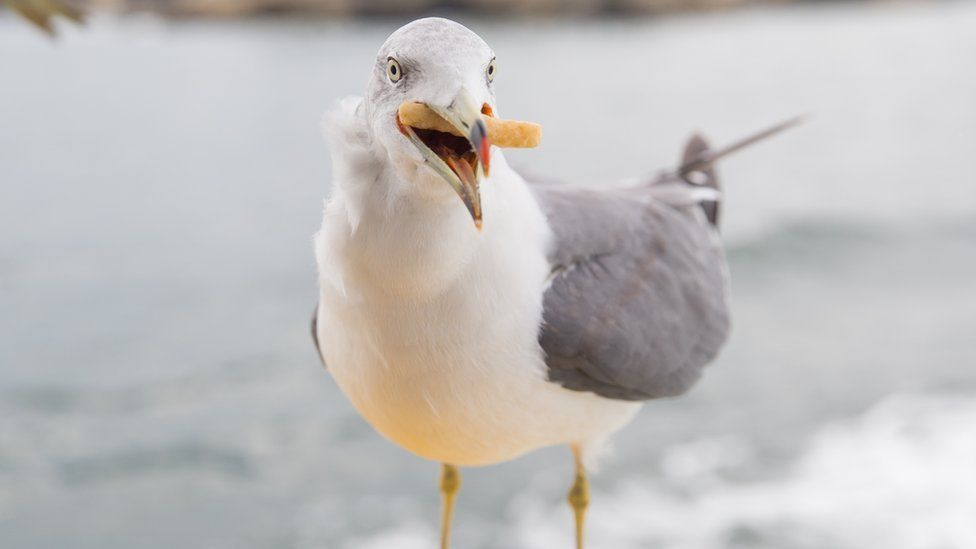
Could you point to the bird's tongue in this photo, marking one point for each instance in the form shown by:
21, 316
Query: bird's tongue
465, 173
462, 168
461, 163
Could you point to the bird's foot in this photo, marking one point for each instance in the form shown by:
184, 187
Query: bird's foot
579, 498
450, 485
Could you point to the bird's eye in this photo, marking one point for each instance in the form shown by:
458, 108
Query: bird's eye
490, 71
393, 70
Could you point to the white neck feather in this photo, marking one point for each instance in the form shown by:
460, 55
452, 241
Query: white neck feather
409, 237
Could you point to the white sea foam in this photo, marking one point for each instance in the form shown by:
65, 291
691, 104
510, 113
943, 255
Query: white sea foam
902, 476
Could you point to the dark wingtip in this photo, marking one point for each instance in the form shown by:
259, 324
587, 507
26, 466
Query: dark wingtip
315, 333
695, 145
695, 148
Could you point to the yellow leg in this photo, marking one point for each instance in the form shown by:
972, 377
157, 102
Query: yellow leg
579, 496
450, 484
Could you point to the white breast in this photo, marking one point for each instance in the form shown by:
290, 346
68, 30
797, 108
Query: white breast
430, 328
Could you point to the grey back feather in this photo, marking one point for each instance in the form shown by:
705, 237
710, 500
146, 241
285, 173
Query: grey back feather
637, 304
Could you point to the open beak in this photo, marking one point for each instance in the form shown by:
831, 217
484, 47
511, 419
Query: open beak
462, 161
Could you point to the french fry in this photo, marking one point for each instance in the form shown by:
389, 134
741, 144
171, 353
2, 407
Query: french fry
513, 134
501, 133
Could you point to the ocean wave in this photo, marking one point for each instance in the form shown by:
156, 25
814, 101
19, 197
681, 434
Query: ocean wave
901, 476
183, 456
145, 396
846, 233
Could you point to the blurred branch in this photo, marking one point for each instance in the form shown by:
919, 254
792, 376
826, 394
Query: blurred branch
42, 12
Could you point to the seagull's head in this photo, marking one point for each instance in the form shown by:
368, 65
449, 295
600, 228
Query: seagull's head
450, 69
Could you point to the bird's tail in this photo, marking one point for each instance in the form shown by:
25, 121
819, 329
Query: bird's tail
698, 163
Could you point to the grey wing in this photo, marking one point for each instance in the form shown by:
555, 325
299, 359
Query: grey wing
637, 304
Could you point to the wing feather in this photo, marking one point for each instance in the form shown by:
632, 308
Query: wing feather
637, 303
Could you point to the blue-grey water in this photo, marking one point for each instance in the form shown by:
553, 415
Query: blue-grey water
160, 182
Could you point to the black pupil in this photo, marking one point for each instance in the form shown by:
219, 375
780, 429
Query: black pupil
491, 69
393, 70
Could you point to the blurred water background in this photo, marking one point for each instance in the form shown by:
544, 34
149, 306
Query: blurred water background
160, 181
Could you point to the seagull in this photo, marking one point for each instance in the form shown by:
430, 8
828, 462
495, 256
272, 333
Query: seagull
472, 316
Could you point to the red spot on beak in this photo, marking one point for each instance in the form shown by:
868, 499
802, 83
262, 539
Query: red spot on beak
485, 154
